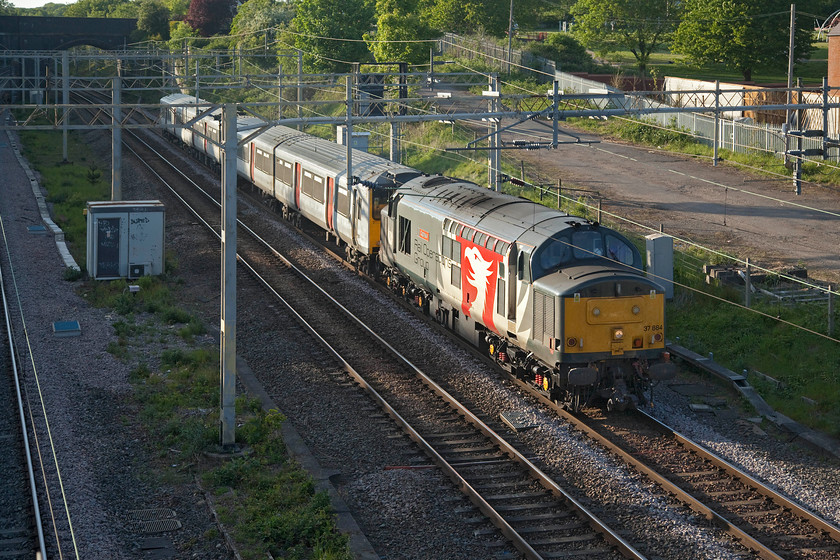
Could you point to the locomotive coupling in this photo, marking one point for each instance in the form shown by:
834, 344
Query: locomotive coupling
662, 371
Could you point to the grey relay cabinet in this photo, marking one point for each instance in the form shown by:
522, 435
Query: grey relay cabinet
125, 238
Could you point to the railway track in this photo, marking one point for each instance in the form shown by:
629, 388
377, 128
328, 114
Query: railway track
511, 492
21, 531
470, 449
764, 520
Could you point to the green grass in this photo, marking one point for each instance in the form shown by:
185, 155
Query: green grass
70, 185
808, 364
264, 498
664, 63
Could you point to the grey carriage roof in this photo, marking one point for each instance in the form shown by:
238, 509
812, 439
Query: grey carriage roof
324, 153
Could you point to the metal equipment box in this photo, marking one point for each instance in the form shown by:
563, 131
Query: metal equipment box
660, 261
125, 239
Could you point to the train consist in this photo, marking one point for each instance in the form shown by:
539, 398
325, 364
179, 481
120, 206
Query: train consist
556, 300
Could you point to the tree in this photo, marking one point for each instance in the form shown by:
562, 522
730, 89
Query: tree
211, 17
178, 9
469, 16
399, 33
566, 51
5, 8
743, 35
640, 26
257, 16
153, 20
332, 32
94, 8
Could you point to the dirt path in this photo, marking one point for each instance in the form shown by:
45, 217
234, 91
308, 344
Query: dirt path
718, 207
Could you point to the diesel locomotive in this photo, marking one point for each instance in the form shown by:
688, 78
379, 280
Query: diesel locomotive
558, 301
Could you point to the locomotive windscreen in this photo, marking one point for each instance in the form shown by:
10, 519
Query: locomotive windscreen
584, 245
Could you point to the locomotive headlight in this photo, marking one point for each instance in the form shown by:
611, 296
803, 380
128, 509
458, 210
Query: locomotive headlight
596, 311
636, 310
618, 333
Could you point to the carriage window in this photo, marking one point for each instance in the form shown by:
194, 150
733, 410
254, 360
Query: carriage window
313, 186
500, 296
283, 171
405, 236
262, 160
343, 202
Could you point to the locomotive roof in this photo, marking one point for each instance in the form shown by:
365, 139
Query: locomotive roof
501, 214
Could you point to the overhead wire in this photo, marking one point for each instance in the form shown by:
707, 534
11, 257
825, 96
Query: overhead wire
615, 216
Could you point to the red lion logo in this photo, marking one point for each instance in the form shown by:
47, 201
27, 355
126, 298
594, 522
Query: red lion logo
479, 267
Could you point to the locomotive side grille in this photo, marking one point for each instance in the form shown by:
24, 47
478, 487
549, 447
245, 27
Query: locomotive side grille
543, 317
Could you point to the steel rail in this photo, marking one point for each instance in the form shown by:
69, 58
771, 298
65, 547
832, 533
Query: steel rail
22, 414
817, 521
761, 550
474, 496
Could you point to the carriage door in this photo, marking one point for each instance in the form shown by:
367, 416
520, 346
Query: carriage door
297, 185
330, 202
252, 150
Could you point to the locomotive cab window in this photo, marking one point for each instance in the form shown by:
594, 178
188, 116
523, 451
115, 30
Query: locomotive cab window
523, 267
500, 290
588, 244
618, 250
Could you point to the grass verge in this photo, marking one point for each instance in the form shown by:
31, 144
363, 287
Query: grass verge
264, 498
69, 184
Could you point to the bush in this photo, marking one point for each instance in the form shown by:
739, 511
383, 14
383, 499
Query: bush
566, 51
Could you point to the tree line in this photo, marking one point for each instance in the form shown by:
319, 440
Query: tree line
743, 35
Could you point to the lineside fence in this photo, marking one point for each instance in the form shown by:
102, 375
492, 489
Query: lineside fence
732, 131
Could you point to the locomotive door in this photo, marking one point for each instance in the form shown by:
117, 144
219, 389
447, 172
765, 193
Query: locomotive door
512, 257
